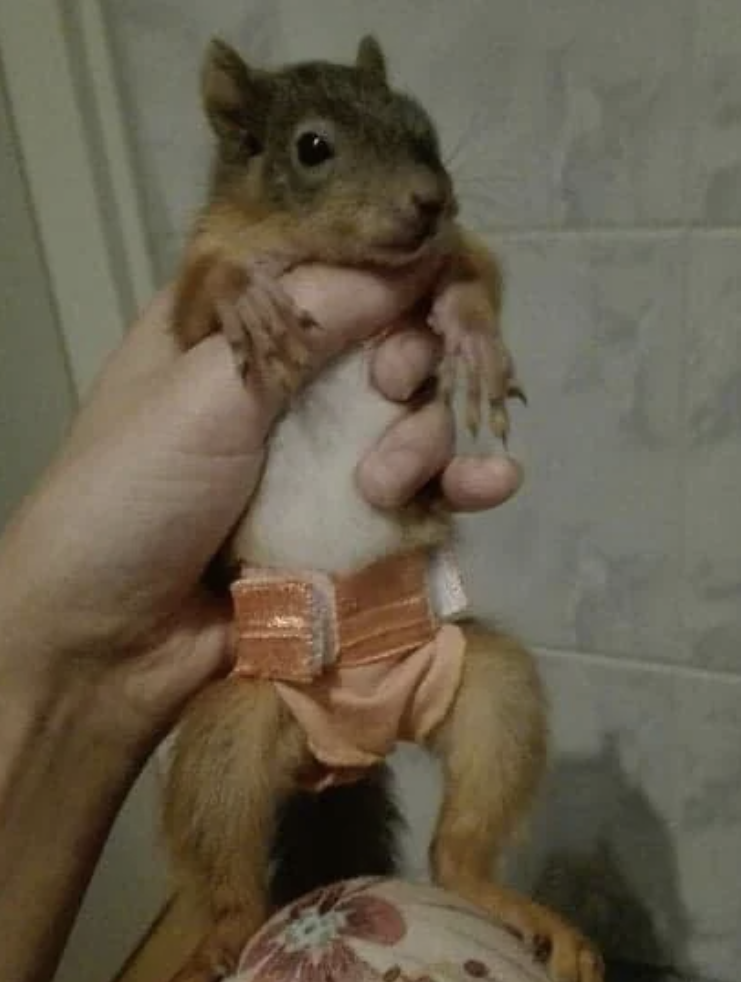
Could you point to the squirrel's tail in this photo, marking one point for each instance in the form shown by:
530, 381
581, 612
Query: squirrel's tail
338, 834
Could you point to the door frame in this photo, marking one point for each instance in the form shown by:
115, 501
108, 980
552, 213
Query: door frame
70, 133
72, 136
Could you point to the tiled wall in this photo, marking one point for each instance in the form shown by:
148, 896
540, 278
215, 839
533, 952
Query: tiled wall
599, 145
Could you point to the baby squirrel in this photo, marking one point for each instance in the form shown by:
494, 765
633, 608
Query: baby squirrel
328, 163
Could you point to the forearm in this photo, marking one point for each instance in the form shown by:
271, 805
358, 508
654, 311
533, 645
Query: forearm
62, 782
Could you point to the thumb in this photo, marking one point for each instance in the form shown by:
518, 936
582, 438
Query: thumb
159, 683
204, 406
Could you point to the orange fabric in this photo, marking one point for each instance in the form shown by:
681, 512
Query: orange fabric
278, 642
382, 610
360, 660
354, 716
291, 625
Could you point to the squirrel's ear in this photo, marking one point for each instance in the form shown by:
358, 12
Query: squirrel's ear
236, 99
370, 58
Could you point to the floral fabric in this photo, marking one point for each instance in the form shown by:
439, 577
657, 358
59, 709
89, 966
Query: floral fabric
374, 930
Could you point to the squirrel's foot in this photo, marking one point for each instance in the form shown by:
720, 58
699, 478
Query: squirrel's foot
466, 319
217, 955
268, 332
265, 329
566, 953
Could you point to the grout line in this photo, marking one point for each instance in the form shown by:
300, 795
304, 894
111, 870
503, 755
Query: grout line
683, 457
616, 231
675, 669
691, 117
686, 324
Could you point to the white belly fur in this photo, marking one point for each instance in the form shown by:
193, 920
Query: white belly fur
308, 511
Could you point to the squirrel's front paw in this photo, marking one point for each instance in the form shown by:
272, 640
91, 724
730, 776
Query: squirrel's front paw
465, 318
266, 331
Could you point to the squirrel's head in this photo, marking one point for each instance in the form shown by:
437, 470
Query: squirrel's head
355, 161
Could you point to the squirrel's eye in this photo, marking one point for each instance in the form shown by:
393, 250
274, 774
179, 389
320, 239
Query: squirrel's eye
313, 149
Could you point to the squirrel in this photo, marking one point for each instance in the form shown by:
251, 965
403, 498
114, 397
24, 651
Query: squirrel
322, 162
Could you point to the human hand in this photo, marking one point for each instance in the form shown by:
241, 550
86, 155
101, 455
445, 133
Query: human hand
102, 568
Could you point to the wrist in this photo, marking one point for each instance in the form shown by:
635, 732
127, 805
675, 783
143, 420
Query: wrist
76, 706
126, 677
51, 684
33, 637
62, 783
58, 708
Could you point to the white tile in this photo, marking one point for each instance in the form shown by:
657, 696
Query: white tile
638, 833
616, 126
715, 196
419, 794
587, 556
601, 847
712, 598
709, 825
637, 830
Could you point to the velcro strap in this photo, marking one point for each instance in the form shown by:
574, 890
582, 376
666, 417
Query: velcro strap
383, 610
292, 625
284, 625
445, 582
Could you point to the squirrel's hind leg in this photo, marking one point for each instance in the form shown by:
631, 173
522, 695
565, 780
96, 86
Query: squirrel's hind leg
492, 747
236, 757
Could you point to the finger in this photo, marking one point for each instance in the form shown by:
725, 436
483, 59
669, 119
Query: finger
150, 345
351, 305
129, 372
404, 361
480, 483
407, 457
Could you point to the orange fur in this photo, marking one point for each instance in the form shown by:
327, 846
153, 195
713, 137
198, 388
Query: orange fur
237, 753
493, 750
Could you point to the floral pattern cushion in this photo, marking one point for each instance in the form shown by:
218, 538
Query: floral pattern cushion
375, 930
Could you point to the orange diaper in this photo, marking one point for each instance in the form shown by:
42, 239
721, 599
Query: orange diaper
362, 661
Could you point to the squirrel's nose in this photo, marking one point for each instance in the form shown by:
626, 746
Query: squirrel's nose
428, 205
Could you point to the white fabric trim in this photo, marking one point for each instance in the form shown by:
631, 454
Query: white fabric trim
445, 584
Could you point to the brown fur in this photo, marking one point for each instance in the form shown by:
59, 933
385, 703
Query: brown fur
493, 750
236, 755
263, 206
239, 753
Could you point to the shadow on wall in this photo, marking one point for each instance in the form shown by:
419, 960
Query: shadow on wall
601, 854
